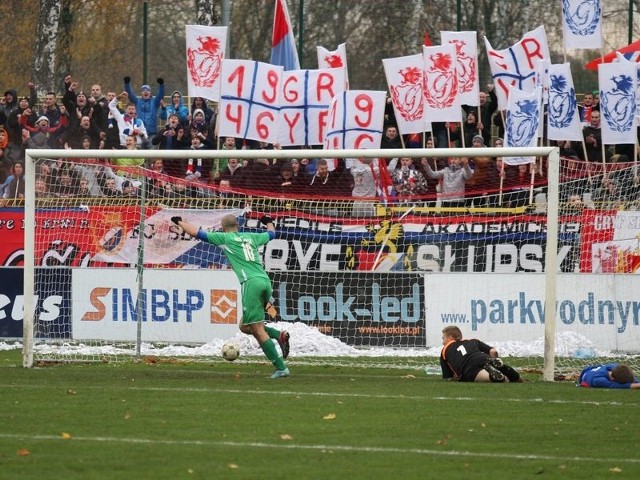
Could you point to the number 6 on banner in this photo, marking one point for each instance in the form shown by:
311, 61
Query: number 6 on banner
250, 100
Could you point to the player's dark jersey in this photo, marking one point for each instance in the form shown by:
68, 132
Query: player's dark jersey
462, 359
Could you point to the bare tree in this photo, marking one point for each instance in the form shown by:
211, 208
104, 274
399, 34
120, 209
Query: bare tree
206, 13
44, 57
65, 42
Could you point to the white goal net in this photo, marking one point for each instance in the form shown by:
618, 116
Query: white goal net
361, 263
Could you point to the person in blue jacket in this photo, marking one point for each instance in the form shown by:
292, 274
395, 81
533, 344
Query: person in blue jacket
610, 375
146, 104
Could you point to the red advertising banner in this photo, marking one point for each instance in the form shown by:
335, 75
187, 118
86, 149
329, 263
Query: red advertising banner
68, 238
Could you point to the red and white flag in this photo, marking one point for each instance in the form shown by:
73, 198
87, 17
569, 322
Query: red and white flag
205, 52
442, 101
335, 59
405, 79
516, 66
466, 45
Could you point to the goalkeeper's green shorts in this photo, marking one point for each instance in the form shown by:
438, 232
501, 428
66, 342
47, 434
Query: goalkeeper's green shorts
256, 292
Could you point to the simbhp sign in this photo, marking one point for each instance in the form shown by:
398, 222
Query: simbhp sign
371, 309
184, 306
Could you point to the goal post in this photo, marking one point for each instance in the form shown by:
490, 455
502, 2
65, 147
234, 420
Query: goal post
32, 204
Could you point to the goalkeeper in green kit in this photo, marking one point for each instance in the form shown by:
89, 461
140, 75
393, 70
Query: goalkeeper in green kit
241, 249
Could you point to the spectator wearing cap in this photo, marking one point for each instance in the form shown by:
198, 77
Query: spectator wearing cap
175, 107
201, 103
146, 105
13, 122
41, 134
199, 122
8, 103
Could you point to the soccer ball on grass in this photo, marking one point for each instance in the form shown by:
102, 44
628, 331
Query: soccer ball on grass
230, 351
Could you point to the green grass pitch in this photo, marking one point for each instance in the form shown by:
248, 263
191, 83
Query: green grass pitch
221, 420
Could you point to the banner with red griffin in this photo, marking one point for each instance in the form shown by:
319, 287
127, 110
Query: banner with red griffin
405, 79
466, 45
335, 59
205, 52
516, 66
442, 101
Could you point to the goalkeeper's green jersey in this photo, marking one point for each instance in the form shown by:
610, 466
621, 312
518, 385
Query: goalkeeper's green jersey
241, 249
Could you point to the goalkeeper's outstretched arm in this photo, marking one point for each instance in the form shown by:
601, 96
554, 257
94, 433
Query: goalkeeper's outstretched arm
189, 228
197, 232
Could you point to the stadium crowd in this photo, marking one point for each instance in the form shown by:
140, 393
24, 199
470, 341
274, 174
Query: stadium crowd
130, 121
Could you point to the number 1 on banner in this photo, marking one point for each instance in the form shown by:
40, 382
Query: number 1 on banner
250, 100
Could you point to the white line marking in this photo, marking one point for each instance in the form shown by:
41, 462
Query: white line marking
236, 391
342, 448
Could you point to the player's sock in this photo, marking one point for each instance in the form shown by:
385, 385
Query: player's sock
270, 350
510, 373
272, 332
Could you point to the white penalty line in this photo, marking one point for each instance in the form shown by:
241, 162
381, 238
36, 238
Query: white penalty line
322, 448
381, 397
237, 391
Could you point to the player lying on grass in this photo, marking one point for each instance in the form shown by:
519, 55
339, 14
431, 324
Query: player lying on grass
241, 249
472, 360
610, 375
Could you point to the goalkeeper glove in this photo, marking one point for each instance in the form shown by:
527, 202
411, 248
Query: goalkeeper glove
176, 220
266, 220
